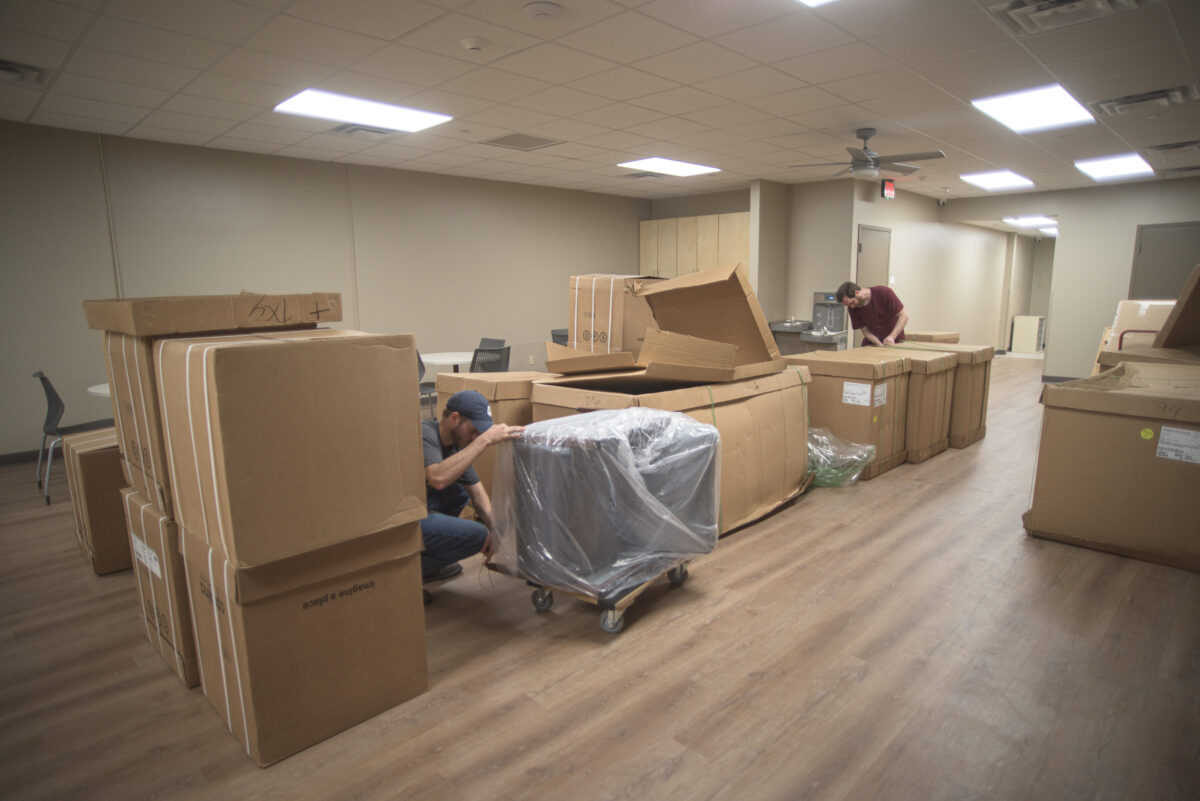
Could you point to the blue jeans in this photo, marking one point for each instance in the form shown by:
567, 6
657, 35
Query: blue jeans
447, 536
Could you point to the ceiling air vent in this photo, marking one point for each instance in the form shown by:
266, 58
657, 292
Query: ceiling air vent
1180, 172
645, 175
522, 142
1174, 147
1031, 17
1146, 101
365, 131
24, 74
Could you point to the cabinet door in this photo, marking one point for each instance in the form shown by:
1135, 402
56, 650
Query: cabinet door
667, 232
685, 246
707, 255
648, 247
733, 238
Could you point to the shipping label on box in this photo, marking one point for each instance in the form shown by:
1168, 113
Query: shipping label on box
95, 480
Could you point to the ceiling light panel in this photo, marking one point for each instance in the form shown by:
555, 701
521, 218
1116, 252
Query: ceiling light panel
1038, 109
1112, 168
669, 167
997, 180
344, 108
1033, 221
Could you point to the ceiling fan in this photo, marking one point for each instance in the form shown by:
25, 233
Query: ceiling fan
866, 163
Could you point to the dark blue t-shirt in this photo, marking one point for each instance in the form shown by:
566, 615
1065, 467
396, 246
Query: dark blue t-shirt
435, 452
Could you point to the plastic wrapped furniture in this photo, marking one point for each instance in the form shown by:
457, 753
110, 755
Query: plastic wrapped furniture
600, 504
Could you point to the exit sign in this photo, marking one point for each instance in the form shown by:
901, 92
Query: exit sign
888, 188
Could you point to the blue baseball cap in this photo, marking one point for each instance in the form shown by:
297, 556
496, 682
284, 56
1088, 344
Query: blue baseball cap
473, 406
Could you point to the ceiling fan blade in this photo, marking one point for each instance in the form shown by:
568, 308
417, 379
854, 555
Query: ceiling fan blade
824, 164
839, 174
903, 169
902, 157
858, 154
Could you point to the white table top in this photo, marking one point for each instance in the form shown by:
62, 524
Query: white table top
451, 358
100, 389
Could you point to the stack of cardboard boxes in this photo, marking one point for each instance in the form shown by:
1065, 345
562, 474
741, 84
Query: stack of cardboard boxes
279, 471
94, 477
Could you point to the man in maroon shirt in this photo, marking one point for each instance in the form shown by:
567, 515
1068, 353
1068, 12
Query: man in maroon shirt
876, 310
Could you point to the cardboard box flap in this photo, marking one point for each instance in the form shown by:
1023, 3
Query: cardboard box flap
571, 361
1138, 322
493, 386
251, 584
201, 313
931, 362
840, 365
715, 304
1182, 327
1188, 355
1156, 391
97, 440
967, 354
668, 355
621, 390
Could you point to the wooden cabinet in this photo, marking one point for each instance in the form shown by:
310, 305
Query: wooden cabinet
1028, 334
683, 245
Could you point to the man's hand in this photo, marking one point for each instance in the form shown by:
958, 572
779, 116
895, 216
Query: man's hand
489, 547
890, 341
500, 432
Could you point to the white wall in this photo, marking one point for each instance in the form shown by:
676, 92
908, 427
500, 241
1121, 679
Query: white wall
1093, 256
446, 258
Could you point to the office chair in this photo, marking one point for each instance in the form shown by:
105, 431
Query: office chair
558, 336
426, 389
490, 360
488, 342
51, 428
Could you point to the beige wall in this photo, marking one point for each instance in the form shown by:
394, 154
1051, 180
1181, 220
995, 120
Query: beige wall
699, 205
1043, 269
820, 242
446, 258
770, 210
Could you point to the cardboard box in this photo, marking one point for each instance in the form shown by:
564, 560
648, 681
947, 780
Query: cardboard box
930, 400
286, 442
605, 313
664, 355
862, 397
161, 585
194, 314
1108, 359
295, 651
95, 481
509, 397
931, 336
1182, 327
132, 384
762, 422
972, 380
1137, 322
1119, 464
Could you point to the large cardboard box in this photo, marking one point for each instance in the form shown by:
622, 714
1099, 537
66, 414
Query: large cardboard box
295, 651
1107, 359
932, 336
162, 585
508, 396
95, 481
605, 313
131, 326
1119, 464
1137, 322
762, 423
972, 380
286, 442
1182, 326
862, 397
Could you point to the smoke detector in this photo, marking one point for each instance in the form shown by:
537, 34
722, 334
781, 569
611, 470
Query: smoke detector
542, 12
473, 44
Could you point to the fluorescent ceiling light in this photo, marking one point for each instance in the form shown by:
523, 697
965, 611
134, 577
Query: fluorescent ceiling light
1113, 167
814, 3
1029, 222
668, 167
344, 108
1035, 109
995, 181
1050, 231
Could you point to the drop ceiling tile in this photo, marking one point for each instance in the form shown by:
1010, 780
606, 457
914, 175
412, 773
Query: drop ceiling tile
28, 48
580, 152
455, 105
92, 109
53, 20
258, 66
19, 96
679, 100
992, 85
307, 41
395, 152
785, 38
824, 145
373, 87
129, 69
667, 128
1150, 24
857, 58
154, 44
1113, 63
220, 20
239, 90
266, 133
310, 153
898, 106
727, 115
381, 19
565, 130
508, 14
560, 101
695, 62
797, 101
710, 139
109, 91
364, 160
168, 135
290, 121
510, 118
553, 62
751, 149
981, 63
54, 119
336, 142
622, 83
848, 116
709, 19
750, 83
445, 34
766, 129
1089, 141
187, 122
619, 115
626, 37
940, 38
494, 85
210, 107
410, 65
897, 80
1131, 84
242, 145
866, 20
617, 140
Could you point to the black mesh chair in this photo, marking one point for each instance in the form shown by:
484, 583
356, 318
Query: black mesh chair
488, 342
51, 429
490, 360
427, 389
558, 336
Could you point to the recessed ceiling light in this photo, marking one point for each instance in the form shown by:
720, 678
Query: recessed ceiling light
997, 180
814, 3
668, 167
1113, 167
1029, 222
344, 108
1035, 109
1053, 232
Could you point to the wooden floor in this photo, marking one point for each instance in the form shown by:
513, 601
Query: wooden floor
898, 639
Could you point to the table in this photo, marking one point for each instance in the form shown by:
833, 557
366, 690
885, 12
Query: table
101, 390
452, 358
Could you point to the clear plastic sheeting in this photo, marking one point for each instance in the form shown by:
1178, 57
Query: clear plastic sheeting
598, 504
836, 462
